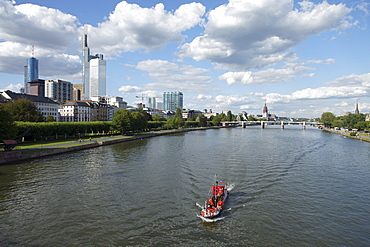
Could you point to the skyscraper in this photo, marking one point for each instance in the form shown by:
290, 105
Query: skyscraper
31, 72
93, 72
172, 101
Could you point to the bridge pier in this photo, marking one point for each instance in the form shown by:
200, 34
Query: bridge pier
282, 125
304, 125
262, 125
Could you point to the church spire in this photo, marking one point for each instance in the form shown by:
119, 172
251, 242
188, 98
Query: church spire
357, 111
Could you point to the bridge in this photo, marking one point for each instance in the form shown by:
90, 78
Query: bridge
265, 123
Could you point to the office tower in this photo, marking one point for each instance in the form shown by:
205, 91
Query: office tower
151, 103
172, 101
37, 87
58, 90
93, 72
31, 72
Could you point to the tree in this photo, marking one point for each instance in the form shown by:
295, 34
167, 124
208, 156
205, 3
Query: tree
216, 120
327, 119
50, 118
8, 129
139, 121
122, 120
338, 123
157, 117
177, 121
350, 121
25, 111
229, 116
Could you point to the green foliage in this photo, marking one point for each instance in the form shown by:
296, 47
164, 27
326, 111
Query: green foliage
250, 118
157, 117
337, 123
191, 124
361, 125
327, 118
50, 119
216, 120
155, 124
8, 129
125, 121
24, 110
177, 121
350, 121
45, 129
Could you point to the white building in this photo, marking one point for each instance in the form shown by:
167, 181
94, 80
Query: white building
75, 111
46, 106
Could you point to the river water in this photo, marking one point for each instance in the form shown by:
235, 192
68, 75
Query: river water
292, 187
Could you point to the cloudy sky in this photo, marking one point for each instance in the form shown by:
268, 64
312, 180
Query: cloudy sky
302, 58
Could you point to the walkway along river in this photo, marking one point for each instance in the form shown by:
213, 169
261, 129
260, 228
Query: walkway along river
292, 187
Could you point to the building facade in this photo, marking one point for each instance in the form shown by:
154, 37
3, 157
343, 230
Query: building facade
75, 111
172, 101
59, 90
31, 72
93, 72
46, 106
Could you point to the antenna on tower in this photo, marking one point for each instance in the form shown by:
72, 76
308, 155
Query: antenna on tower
33, 51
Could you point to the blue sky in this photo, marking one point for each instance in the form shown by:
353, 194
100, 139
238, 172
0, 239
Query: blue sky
302, 58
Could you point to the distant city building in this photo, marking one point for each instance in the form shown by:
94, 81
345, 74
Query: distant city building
58, 90
37, 87
265, 112
78, 91
46, 106
172, 101
93, 72
356, 110
31, 72
152, 103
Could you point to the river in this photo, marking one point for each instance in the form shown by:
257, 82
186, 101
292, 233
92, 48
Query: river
291, 187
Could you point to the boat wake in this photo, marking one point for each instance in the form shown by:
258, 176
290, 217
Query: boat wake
210, 220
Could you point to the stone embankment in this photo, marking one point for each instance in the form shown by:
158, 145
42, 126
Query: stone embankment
19, 155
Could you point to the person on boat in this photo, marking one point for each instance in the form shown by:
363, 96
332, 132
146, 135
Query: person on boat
210, 202
219, 205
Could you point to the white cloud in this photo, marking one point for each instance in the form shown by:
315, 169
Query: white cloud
265, 76
129, 89
27, 23
253, 34
130, 27
12, 87
171, 76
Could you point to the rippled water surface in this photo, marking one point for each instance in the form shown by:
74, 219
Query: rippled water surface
293, 187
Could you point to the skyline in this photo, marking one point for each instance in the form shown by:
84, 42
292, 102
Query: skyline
302, 58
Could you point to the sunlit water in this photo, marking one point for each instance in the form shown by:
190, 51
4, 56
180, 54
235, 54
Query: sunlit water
292, 187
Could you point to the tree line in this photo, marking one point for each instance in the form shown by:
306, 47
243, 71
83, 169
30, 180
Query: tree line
350, 121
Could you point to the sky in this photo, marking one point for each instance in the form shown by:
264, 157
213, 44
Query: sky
300, 58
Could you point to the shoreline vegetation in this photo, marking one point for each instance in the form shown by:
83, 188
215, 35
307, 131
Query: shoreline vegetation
347, 133
26, 151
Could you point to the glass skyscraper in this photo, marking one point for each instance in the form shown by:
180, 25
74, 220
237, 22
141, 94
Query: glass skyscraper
172, 101
31, 72
93, 72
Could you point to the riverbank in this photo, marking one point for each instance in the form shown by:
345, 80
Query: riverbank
48, 150
361, 137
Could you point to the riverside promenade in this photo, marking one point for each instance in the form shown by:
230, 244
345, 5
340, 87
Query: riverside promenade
49, 149
346, 133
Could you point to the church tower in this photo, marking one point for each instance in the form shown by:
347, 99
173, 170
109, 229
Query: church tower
357, 111
265, 112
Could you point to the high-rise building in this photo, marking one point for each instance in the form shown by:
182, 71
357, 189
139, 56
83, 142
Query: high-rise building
31, 72
172, 101
152, 103
93, 72
59, 90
